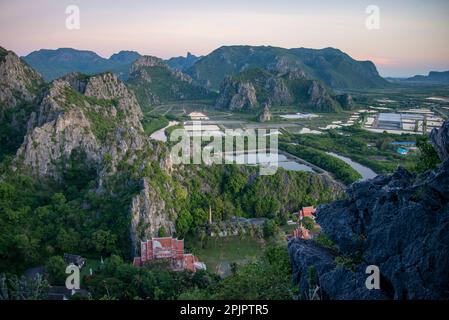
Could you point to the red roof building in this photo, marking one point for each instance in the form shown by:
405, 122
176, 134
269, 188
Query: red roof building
168, 248
308, 212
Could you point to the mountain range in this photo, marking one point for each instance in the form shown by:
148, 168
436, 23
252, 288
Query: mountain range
52, 64
332, 66
434, 77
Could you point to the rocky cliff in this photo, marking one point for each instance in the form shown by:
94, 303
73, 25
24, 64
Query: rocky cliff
20, 90
399, 223
255, 87
154, 82
96, 114
100, 117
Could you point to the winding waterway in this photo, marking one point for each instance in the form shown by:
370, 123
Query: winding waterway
365, 172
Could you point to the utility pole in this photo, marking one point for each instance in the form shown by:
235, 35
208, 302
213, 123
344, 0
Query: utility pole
210, 215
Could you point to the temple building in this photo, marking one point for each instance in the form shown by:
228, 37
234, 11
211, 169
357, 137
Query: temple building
301, 233
171, 249
308, 212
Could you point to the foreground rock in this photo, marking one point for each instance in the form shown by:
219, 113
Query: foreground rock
399, 223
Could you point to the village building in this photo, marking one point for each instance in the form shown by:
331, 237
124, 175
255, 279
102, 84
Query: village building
198, 116
301, 232
308, 212
170, 249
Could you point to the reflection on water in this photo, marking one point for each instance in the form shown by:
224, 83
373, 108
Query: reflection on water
266, 158
365, 172
159, 135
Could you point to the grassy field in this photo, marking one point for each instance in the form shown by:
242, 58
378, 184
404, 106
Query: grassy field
218, 253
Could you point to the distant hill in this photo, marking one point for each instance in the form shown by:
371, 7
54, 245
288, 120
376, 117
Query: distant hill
154, 82
256, 88
434, 77
183, 63
52, 64
332, 66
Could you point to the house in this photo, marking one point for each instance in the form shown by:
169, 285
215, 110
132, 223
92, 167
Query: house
308, 212
74, 259
171, 249
198, 116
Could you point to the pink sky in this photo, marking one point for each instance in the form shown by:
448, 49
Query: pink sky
412, 37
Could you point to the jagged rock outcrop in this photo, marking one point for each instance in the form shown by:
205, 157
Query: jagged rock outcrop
254, 87
18, 82
99, 116
20, 91
147, 61
237, 95
319, 98
101, 119
399, 223
440, 141
345, 100
278, 92
149, 214
154, 82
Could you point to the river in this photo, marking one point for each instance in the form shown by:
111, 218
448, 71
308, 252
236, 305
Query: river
159, 135
365, 172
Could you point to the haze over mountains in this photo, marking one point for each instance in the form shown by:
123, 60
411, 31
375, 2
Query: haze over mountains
434, 77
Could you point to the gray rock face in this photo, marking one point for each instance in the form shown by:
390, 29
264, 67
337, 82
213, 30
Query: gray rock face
97, 115
62, 124
147, 61
237, 95
18, 82
440, 141
399, 223
345, 100
254, 87
148, 215
278, 92
314, 267
318, 97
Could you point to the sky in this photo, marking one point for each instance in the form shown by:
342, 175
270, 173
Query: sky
412, 38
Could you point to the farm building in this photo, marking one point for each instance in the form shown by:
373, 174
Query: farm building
389, 121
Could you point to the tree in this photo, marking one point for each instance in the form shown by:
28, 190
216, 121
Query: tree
55, 267
68, 240
270, 228
199, 216
428, 157
104, 241
162, 232
184, 222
